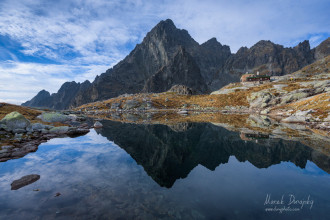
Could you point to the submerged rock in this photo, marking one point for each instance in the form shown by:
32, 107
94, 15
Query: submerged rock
24, 181
74, 132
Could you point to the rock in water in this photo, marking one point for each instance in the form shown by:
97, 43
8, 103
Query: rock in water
98, 125
15, 120
24, 181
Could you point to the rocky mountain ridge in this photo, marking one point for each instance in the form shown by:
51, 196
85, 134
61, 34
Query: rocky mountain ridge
169, 56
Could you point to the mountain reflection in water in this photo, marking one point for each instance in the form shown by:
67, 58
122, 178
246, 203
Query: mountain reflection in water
168, 153
181, 171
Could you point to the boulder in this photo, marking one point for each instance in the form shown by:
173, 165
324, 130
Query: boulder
181, 90
74, 132
53, 117
4, 127
98, 124
37, 127
24, 181
15, 120
59, 130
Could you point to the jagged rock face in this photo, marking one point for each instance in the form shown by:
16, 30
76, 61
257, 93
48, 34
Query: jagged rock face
211, 56
155, 52
323, 49
269, 58
169, 56
182, 70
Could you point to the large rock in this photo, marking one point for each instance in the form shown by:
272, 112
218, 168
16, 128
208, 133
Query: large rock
59, 130
181, 90
53, 117
24, 181
15, 120
98, 124
38, 127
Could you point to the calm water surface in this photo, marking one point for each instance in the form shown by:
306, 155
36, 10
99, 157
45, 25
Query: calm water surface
196, 171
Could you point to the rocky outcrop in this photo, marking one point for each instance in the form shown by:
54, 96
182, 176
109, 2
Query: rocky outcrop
269, 58
168, 56
20, 137
24, 181
322, 50
53, 117
182, 90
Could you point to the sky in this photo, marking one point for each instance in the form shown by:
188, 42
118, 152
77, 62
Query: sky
44, 43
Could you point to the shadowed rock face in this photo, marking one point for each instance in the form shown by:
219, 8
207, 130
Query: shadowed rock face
24, 181
182, 70
169, 56
168, 154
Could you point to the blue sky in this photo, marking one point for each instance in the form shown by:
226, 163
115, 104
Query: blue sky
45, 43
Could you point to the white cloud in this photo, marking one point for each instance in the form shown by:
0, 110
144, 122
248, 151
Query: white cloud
21, 81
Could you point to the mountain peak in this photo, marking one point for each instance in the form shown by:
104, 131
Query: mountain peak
166, 23
303, 46
212, 43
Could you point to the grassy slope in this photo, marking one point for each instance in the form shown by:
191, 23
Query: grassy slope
29, 113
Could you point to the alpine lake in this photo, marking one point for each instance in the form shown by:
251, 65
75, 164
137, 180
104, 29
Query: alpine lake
170, 171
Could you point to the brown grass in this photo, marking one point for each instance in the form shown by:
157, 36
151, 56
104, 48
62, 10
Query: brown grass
319, 103
29, 113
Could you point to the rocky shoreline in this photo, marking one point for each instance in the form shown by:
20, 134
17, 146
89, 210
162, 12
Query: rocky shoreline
302, 97
19, 136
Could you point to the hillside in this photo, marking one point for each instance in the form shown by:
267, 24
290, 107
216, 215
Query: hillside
302, 97
168, 56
